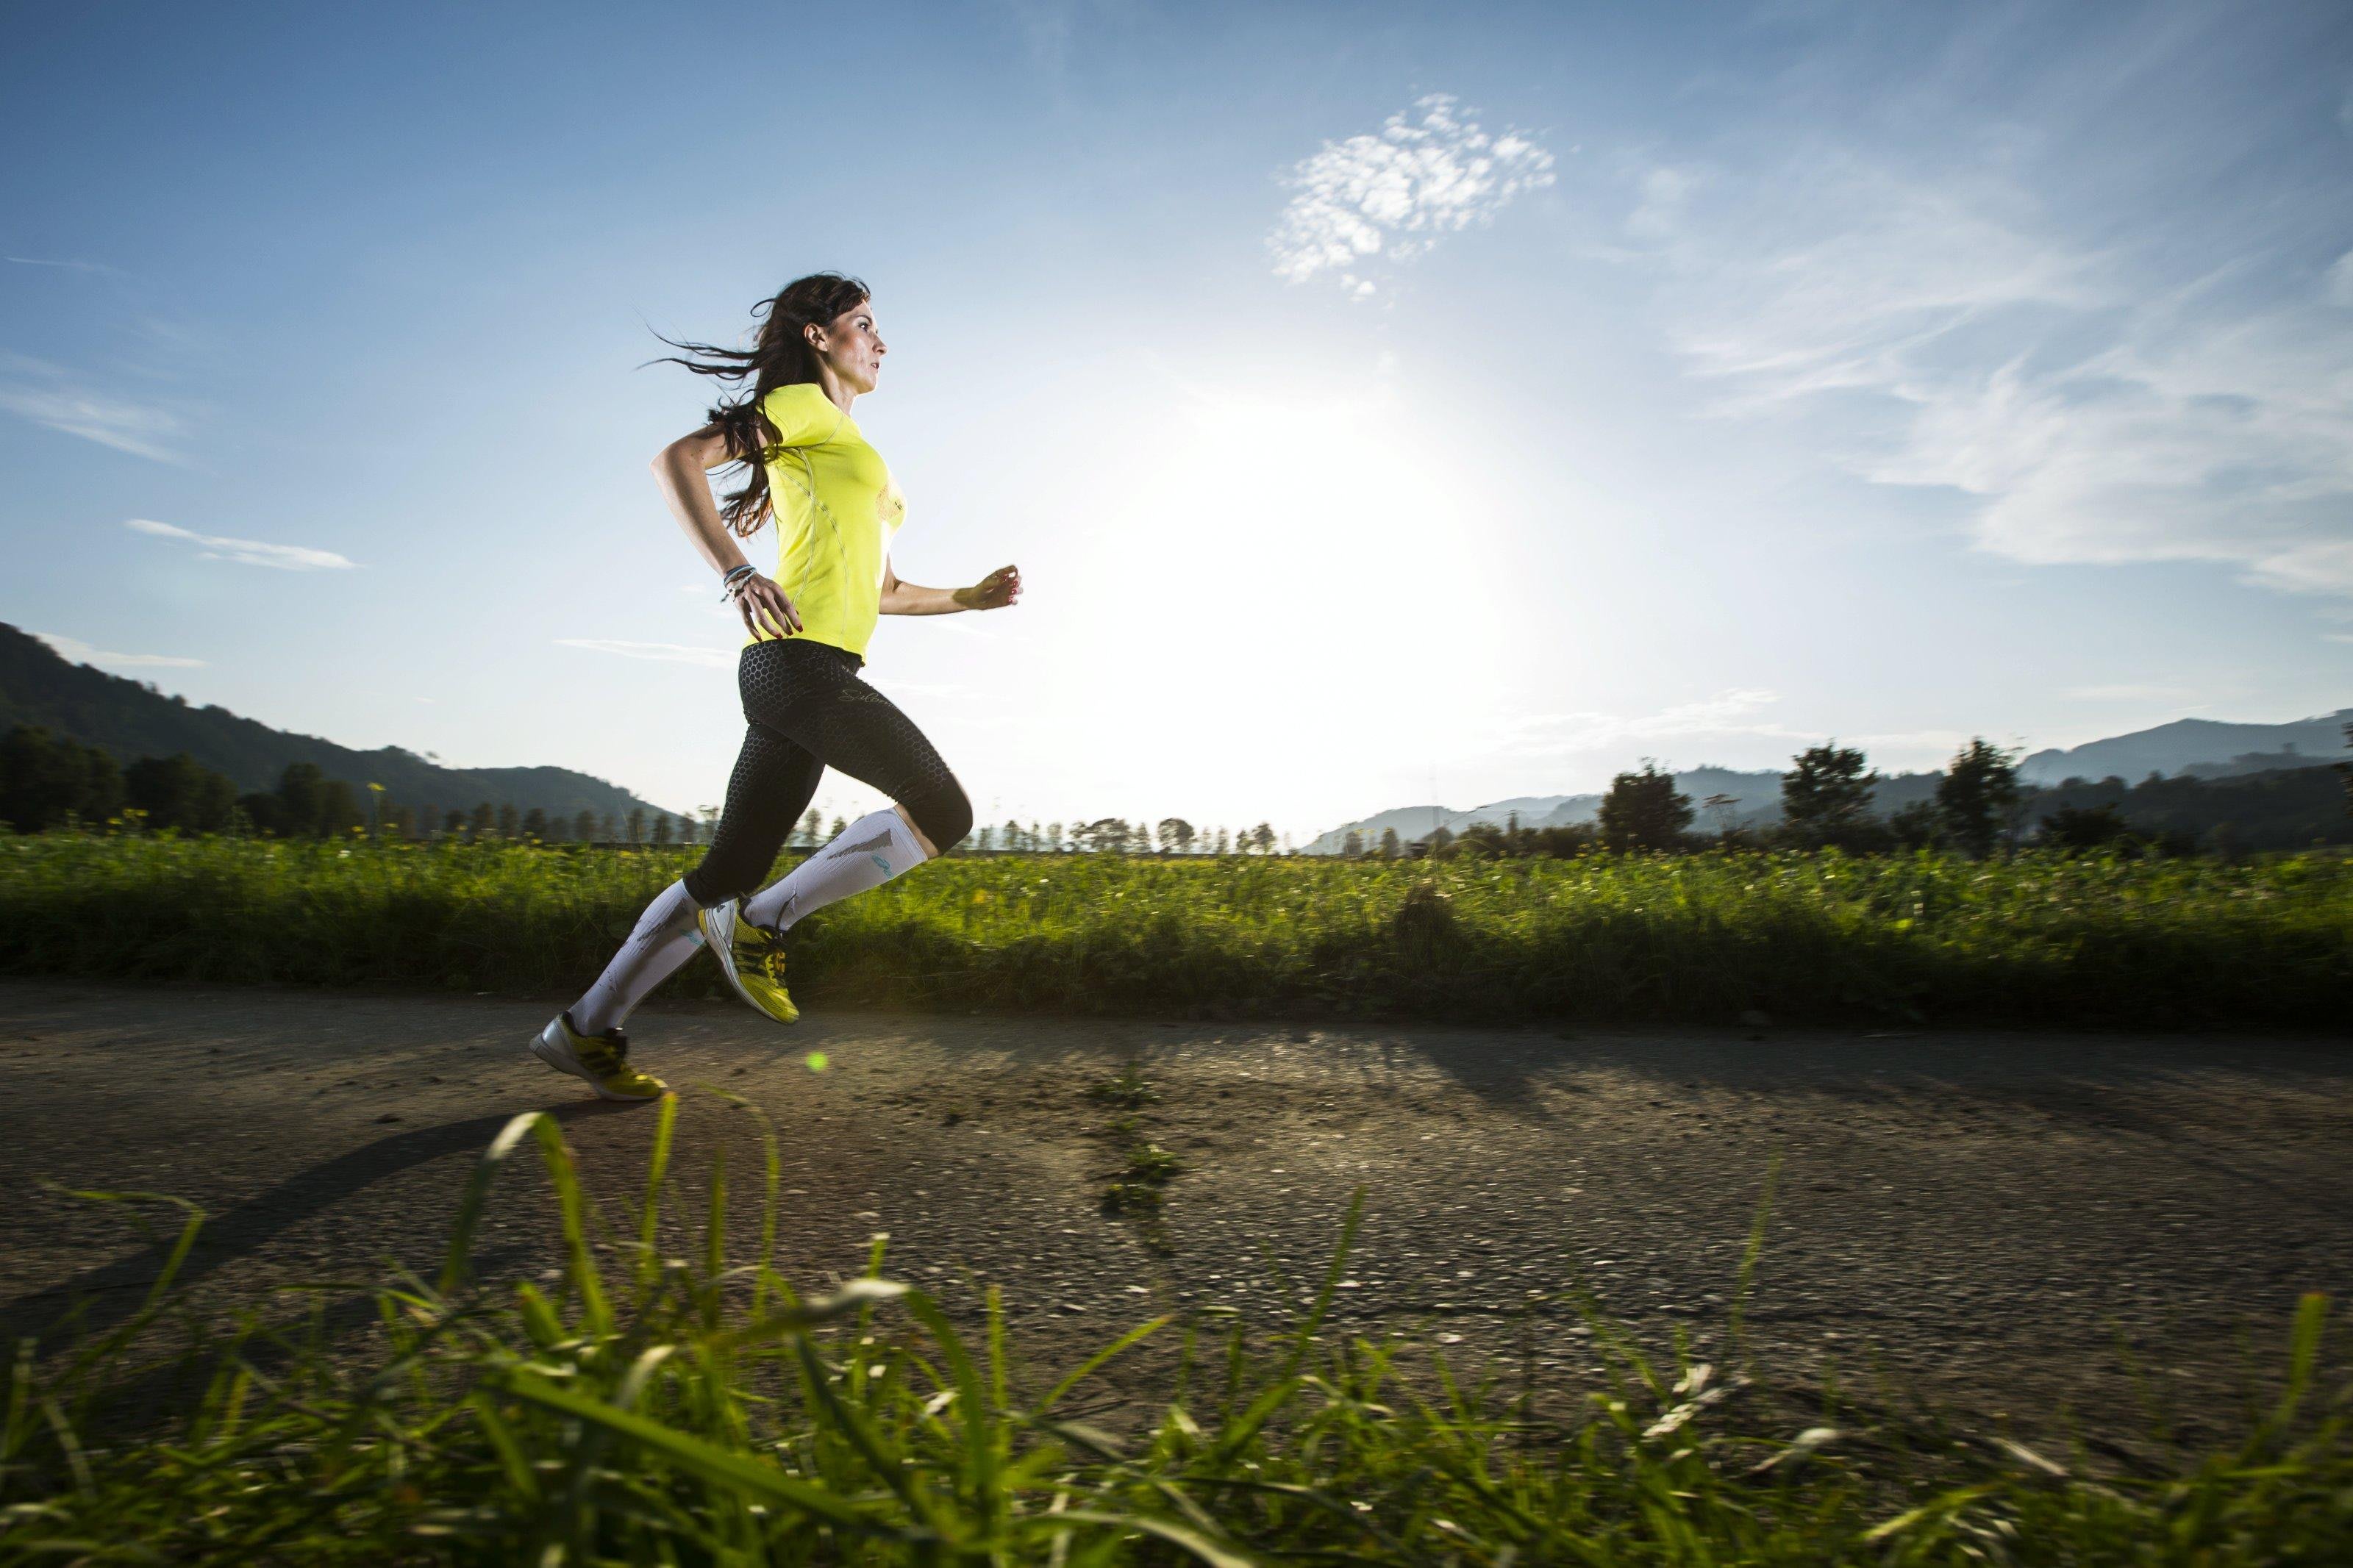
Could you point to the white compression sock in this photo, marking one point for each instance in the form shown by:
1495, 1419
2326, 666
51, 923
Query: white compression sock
866, 854
666, 936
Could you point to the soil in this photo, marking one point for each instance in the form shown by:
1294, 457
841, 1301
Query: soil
2014, 1228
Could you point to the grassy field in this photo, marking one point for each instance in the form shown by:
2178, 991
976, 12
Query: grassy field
1704, 938
662, 1403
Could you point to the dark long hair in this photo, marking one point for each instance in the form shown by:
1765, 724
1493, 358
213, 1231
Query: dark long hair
780, 355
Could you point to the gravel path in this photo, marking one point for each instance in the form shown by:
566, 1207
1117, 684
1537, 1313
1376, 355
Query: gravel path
1981, 1219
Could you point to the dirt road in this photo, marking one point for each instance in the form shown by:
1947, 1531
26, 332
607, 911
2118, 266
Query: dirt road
1980, 1218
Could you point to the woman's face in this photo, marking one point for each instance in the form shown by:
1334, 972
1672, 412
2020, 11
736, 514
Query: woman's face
850, 345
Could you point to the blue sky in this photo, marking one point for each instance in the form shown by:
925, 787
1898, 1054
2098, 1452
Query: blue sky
1379, 401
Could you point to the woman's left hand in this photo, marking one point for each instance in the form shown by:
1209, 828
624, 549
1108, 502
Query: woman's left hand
994, 592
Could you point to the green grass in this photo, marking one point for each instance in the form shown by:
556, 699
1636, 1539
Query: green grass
664, 1402
1703, 938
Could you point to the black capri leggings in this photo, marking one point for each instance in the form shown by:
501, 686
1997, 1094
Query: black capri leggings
808, 710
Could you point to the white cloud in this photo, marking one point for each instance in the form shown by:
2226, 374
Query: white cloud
1726, 713
81, 652
660, 652
1393, 195
2095, 421
251, 551
50, 396
98, 268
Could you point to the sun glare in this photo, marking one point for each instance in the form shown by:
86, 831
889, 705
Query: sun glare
1303, 567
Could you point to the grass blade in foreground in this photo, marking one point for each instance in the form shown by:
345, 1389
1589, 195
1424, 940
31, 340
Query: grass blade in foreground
497, 1426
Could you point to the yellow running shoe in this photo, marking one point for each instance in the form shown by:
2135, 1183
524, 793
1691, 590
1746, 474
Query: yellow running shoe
753, 956
603, 1059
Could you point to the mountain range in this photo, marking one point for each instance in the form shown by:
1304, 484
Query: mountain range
132, 720
2194, 748
2187, 748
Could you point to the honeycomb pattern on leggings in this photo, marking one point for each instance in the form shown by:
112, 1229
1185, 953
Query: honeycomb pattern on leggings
808, 710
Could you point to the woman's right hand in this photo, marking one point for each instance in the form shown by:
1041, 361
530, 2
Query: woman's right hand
766, 612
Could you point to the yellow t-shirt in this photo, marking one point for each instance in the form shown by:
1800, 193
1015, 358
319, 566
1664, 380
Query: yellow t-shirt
836, 506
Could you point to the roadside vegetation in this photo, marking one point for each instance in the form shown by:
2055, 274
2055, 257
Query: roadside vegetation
2093, 938
660, 1401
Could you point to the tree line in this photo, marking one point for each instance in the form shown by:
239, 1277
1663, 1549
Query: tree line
1980, 806
1118, 835
55, 781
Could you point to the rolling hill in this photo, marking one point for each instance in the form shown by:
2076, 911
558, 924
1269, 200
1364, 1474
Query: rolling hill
134, 721
2200, 748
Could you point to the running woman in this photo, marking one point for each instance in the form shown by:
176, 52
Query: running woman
835, 508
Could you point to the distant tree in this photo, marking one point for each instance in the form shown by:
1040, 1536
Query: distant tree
180, 792
1263, 837
338, 810
987, 840
809, 826
1224, 844
302, 789
535, 823
1977, 794
840, 825
661, 828
1482, 840
403, 822
637, 824
1826, 797
1011, 835
453, 824
262, 812
2076, 827
609, 829
46, 781
510, 821
484, 820
1352, 845
2346, 770
1104, 835
584, 825
1177, 833
1389, 846
1919, 825
687, 828
1139, 837
1439, 839
1644, 810
1720, 809
1054, 837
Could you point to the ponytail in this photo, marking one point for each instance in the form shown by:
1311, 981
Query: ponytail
780, 355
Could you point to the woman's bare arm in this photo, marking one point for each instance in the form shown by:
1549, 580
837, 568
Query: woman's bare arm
994, 592
682, 469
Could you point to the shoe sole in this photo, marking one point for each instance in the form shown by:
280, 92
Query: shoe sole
722, 948
558, 1054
